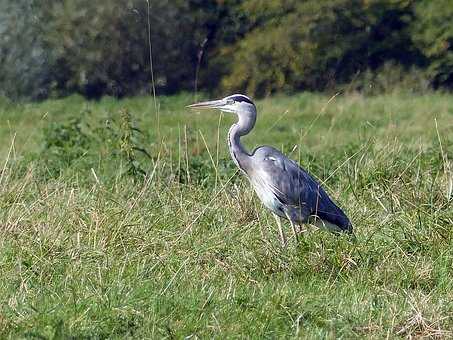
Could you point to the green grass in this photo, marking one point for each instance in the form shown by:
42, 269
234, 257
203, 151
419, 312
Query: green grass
92, 248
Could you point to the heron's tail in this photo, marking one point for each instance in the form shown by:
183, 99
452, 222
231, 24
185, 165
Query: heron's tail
348, 229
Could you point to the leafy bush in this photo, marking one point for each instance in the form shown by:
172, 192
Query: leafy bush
64, 143
107, 145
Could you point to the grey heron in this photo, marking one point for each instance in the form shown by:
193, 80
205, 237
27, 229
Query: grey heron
283, 186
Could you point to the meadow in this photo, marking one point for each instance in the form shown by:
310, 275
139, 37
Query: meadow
128, 219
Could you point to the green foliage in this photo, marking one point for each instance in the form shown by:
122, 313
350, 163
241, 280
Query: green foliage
97, 49
81, 145
103, 48
130, 145
56, 48
64, 144
315, 45
25, 67
433, 34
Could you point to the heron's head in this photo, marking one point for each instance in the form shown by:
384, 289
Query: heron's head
236, 103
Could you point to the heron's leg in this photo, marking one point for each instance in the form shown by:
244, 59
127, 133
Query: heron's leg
293, 226
280, 230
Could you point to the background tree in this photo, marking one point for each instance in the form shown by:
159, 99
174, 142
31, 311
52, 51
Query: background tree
24, 66
316, 45
433, 35
97, 48
102, 48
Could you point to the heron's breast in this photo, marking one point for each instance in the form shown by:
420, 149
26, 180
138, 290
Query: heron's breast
268, 198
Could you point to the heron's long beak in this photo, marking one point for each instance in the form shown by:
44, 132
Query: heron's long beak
212, 104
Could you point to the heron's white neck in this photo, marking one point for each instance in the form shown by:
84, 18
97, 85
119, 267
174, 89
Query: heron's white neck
244, 125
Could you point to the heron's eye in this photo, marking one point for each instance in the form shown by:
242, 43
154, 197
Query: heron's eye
230, 101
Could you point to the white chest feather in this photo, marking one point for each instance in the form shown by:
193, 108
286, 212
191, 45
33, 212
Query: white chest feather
267, 197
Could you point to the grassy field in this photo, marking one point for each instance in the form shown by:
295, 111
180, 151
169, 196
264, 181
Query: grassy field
117, 221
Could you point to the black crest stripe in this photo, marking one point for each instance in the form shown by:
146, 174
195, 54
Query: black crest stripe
242, 99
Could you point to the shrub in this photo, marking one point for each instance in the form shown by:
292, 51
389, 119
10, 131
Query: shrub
113, 146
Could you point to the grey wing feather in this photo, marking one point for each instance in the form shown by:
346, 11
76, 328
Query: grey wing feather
293, 186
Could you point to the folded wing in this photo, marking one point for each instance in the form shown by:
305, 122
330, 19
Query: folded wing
296, 188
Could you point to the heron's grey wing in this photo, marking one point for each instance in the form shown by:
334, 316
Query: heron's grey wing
293, 186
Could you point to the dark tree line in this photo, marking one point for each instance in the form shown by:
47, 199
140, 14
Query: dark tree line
52, 48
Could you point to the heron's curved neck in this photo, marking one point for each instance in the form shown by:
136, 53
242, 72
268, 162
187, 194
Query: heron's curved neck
243, 126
